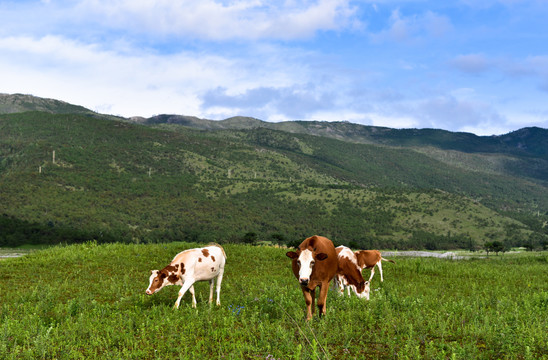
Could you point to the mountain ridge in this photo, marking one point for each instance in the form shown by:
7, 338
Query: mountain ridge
523, 152
524, 141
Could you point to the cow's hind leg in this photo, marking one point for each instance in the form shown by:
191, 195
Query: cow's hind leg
219, 281
211, 286
338, 285
191, 290
372, 272
186, 286
379, 264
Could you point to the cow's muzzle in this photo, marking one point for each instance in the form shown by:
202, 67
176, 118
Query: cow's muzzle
303, 282
149, 292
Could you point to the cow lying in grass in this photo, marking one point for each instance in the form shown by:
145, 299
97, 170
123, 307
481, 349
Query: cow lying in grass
367, 259
349, 274
189, 266
314, 265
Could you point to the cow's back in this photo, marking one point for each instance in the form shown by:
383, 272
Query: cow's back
202, 263
368, 258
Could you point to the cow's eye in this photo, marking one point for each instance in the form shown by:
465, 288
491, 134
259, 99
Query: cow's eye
311, 263
299, 263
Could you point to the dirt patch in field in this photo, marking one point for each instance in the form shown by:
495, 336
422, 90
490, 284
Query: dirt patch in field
8, 255
445, 255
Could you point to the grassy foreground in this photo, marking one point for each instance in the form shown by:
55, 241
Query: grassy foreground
88, 301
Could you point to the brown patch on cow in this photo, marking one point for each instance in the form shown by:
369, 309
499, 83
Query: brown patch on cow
212, 269
205, 252
170, 268
322, 273
162, 275
212, 258
182, 268
368, 258
352, 274
172, 278
199, 259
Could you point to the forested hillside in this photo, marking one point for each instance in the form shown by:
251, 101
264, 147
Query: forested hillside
72, 178
522, 153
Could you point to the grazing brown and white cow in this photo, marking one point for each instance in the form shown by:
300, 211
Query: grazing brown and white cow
367, 259
189, 266
314, 265
349, 274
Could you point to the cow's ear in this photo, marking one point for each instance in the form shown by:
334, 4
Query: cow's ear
292, 254
321, 256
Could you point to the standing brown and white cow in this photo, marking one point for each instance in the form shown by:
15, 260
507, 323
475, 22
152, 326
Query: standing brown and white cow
349, 274
189, 266
314, 265
367, 259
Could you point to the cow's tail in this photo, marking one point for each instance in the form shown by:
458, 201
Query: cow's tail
392, 261
219, 246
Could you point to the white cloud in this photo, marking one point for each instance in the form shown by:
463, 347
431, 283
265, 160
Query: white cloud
101, 79
403, 28
284, 60
132, 83
216, 20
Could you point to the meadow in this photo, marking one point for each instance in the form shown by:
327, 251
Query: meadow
88, 301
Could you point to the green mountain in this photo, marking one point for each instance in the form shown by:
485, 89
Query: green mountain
73, 177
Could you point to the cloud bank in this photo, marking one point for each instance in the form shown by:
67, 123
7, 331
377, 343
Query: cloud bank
385, 63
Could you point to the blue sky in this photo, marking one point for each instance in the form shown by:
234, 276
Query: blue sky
462, 65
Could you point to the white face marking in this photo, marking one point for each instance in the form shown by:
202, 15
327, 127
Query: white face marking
306, 264
154, 280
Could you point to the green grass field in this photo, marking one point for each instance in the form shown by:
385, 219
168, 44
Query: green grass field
88, 302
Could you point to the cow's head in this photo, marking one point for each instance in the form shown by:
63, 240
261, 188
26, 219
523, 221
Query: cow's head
362, 290
305, 261
160, 278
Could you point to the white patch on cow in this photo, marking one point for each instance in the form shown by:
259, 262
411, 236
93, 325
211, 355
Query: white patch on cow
349, 254
306, 264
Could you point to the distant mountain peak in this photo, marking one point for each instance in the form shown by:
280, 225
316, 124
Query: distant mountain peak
15, 103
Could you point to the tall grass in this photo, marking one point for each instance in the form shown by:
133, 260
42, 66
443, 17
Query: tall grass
88, 301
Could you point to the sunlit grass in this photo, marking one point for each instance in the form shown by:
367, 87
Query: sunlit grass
88, 301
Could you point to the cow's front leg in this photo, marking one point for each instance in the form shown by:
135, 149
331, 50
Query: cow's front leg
309, 300
379, 264
322, 299
186, 285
